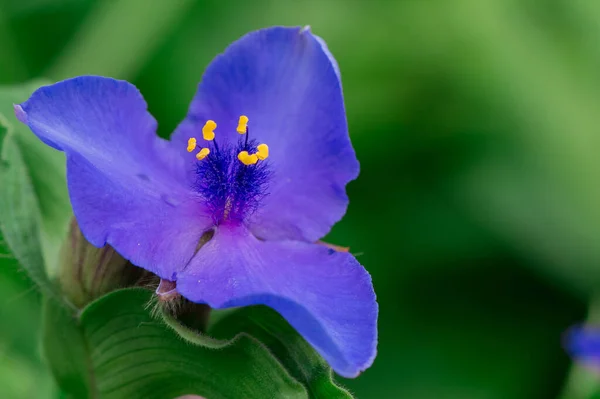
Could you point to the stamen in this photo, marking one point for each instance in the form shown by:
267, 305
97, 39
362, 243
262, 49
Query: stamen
242, 124
262, 151
208, 130
232, 180
247, 159
202, 154
191, 144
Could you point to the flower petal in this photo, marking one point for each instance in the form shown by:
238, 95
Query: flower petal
287, 83
127, 186
583, 343
326, 295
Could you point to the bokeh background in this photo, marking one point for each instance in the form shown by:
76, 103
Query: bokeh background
477, 211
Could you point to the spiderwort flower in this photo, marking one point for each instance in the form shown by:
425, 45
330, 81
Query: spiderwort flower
230, 210
583, 344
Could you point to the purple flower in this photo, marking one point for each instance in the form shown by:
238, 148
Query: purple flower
230, 210
583, 344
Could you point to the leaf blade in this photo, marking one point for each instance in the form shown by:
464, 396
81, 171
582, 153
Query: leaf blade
294, 353
47, 173
134, 355
19, 216
68, 363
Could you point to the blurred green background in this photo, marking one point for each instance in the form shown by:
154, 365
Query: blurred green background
477, 125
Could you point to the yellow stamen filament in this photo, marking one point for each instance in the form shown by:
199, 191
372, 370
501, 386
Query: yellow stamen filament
242, 124
208, 130
191, 144
263, 151
247, 159
202, 154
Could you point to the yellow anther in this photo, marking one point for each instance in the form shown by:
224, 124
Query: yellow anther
208, 130
263, 151
202, 154
242, 156
242, 124
247, 159
252, 159
191, 144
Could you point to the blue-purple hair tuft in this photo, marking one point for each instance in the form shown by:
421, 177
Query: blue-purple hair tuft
231, 190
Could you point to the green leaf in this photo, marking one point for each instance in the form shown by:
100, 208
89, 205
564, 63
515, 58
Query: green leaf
65, 348
46, 169
19, 217
21, 379
22, 374
294, 353
117, 349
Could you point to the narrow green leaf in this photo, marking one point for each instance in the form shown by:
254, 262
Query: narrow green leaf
130, 354
19, 217
19, 378
65, 349
46, 169
294, 353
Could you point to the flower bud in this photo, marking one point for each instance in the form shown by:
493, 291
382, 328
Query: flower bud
87, 272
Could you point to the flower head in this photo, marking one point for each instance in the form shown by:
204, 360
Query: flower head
583, 343
230, 210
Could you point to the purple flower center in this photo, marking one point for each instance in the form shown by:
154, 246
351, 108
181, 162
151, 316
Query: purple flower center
231, 179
